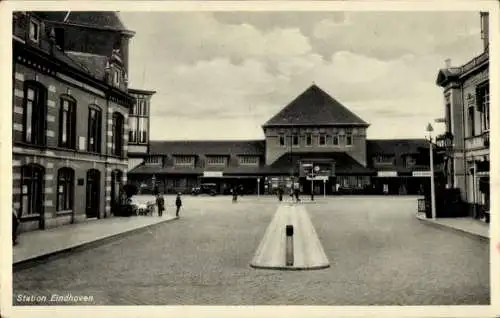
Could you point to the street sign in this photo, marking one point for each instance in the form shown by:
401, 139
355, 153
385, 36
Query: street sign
387, 174
212, 174
421, 173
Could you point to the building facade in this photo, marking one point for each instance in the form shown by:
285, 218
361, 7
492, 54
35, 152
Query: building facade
139, 126
467, 120
314, 143
70, 111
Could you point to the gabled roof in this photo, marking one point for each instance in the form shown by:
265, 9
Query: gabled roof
315, 107
376, 147
208, 147
105, 20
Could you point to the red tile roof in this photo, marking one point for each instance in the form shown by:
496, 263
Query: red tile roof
315, 107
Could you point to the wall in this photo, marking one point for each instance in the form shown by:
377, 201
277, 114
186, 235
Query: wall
274, 150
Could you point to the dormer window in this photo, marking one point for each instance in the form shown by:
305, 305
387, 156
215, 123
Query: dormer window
34, 31
116, 77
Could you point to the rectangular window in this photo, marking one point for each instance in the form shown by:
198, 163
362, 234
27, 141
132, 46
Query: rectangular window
94, 133
65, 189
384, 159
30, 102
184, 160
282, 140
308, 140
133, 109
322, 140
67, 125
153, 160
216, 160
142, 132
117, 137
348, 140
249, 160
35, 107
132, 133
335, 140
483, 104
34, 31
471, 121
116, 77
448, 117
295, 140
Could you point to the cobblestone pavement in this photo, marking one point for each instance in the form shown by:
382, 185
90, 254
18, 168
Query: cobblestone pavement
379, 255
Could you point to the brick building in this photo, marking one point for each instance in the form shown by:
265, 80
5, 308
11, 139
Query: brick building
313, 131
467, 120
70, 111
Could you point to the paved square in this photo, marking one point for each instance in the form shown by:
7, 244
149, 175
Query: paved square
378, 252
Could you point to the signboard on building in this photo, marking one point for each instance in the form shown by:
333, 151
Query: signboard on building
387, 174
421, 173
212, 174
316, 178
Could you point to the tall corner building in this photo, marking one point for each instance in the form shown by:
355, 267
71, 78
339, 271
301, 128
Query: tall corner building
466, 91
71, 111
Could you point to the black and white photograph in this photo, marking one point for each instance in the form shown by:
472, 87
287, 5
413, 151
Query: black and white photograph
250, 157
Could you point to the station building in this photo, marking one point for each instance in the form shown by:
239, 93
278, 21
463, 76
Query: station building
314, 143
70, 112
467, 135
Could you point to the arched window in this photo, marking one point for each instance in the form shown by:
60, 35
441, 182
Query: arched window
67, 122
32, 184
35, 113
117, 137
94, 129
65, 189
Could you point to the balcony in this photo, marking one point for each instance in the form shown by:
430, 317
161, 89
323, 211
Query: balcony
475, 62
478, 142
444, 143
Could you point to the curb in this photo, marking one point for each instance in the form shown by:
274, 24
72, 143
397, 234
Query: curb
453, 229
79, 247
290, 268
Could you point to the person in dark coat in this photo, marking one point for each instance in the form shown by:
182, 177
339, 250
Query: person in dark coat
15, 226
178, 204
297, 195
280, 194
160, 202
235, 194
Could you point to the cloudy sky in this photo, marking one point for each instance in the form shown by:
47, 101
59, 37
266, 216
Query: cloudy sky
221, 75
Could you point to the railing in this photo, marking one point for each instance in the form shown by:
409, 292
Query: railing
478, 141
475, 62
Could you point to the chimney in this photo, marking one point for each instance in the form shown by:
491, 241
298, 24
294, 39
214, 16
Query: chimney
485, 34
447, 63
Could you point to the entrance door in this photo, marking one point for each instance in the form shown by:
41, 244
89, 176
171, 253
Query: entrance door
93, 193
116, 185
32, 192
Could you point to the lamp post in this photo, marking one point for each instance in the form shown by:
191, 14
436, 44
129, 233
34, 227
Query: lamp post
431, 157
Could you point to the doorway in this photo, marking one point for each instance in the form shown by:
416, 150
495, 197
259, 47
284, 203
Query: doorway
116, 185
32, 194
93, 194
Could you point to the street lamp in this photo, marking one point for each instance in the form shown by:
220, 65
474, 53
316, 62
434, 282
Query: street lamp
431, 156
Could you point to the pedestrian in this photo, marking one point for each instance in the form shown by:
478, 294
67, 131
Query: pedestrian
280, 194
178, 204
15, 226
235, 195
160, 202
297, 195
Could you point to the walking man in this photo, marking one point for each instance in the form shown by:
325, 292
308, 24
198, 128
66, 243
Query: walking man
178, 204
160, 202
